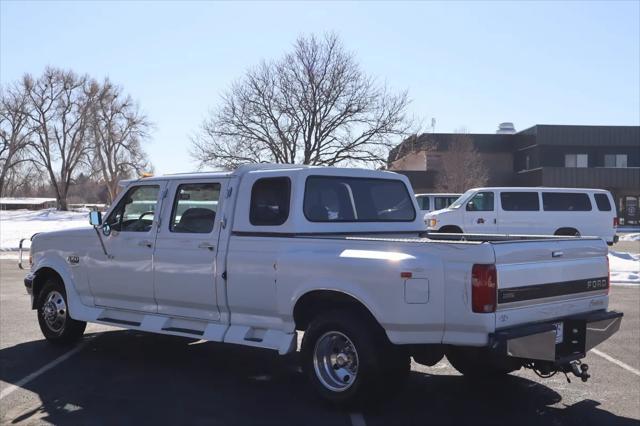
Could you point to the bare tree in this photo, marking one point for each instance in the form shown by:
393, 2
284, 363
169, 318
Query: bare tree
14, 133
60, 110
461, 167
118, 128
313, 106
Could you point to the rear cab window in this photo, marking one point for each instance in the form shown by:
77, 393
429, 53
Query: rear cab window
602, 201
565, 202
520, 201
270, 201
355, 199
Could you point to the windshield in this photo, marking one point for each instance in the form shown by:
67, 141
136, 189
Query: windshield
463, 199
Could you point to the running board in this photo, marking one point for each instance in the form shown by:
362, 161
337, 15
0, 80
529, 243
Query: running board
120, 321
184, 330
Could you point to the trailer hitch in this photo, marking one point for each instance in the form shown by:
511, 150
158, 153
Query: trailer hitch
578, 369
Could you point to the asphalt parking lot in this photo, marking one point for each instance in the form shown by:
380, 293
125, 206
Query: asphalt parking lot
125, 377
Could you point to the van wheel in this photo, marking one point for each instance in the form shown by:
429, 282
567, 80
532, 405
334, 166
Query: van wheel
53, 314
476, 363
344, 358
570, 232
450, 230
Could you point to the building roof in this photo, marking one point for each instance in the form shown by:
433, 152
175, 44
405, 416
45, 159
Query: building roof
26, 200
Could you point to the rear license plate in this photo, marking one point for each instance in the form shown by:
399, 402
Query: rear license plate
559, 332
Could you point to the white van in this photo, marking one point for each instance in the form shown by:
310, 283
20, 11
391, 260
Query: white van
532, 211
433, 202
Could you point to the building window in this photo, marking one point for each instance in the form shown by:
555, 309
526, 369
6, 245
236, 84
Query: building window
615, 160
576, 160
527, 162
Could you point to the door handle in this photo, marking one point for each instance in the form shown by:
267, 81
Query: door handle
145, 243
206, 245
480, 220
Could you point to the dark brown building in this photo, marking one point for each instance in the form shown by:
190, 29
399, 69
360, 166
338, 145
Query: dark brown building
606, 157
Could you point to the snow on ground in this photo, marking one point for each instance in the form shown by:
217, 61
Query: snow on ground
18, 224
630, 237
625, 267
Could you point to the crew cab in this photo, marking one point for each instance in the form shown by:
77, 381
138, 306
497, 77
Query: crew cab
253, 256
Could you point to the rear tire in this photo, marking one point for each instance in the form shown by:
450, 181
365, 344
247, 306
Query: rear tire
478, 364
53, 314
349, 360
568, 232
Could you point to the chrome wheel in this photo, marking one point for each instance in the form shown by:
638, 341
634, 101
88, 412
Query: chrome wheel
54, 311
335, 361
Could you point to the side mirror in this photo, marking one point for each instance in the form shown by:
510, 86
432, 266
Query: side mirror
95, 218
471, 206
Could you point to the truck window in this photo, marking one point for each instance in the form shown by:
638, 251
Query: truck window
194, 208
565, 202
520, 201
423, 202
602, 201
136, 210
270, 199
481, 202
348, 199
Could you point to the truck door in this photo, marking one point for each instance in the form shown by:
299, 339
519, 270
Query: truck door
124, 278
186, 249
480, 214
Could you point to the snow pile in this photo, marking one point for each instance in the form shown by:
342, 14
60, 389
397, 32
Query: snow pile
625, 267
630, 237
18, 224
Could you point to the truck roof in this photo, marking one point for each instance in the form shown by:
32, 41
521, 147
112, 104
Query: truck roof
243, 170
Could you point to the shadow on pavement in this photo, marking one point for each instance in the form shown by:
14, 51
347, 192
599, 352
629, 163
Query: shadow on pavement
128, 377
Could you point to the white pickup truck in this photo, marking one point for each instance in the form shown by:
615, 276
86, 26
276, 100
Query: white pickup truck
252, 256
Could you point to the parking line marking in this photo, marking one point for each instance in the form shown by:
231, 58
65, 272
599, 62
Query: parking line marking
357, 419
20, 383
616, 362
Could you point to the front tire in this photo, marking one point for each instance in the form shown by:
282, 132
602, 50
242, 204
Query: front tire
53, 315
349, 360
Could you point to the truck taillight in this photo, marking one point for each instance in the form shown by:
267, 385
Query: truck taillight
484, 288
616, 222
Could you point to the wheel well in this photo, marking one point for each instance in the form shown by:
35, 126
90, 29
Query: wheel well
42, 275
451, 229
315, 302
566, 231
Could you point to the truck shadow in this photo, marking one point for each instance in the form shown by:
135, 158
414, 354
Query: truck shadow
128, 377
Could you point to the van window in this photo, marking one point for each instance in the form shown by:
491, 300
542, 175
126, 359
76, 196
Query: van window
520, 201
440, 203
602, 202
423, 202
194, 208
565, 202
136, 210
481, 202
270, 199
348, 199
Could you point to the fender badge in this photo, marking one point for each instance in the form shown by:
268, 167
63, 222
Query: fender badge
73, 260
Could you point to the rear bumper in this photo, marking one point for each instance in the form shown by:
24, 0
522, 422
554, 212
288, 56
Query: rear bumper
581, 333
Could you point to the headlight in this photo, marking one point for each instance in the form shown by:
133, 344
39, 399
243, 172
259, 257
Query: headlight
431, 223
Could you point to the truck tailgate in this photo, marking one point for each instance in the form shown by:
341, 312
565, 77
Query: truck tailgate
540, 280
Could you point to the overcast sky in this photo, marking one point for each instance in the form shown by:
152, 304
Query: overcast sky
468, 64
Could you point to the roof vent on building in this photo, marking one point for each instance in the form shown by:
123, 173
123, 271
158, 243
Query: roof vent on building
506, 129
